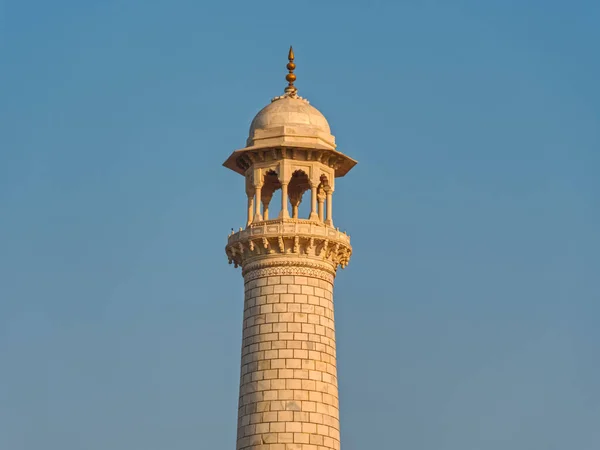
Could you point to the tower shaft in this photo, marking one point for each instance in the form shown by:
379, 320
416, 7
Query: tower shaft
288, 388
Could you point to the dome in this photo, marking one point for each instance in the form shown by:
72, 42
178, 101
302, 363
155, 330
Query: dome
290, 121
289, 111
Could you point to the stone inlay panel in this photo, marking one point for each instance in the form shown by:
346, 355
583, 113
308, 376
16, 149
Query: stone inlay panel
288, 383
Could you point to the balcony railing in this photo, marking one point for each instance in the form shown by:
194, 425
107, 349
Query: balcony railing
289, 227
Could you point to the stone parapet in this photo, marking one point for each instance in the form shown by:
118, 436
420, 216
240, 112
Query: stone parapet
299, 240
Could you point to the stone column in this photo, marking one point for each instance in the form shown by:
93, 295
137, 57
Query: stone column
295, 199
257, 215
266, 200
284, 214
250, 191
288, 388
321, 199
313, 203
329, 220
250, 208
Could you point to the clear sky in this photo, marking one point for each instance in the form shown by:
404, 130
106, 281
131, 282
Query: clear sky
467, 318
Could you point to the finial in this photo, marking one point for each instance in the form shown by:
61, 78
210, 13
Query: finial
291, 90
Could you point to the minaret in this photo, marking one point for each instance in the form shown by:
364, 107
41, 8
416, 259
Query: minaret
288, 382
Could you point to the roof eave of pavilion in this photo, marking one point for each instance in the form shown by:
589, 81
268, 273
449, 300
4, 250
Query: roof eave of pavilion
345, 163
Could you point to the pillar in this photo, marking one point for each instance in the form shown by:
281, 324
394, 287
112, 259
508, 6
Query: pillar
250, 208
295, 199
284, 214
329, 220
257, 215
266, 201
313, 203
321, 208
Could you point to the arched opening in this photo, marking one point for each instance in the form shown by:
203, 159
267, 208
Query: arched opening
271, 184
298, 185
275, 208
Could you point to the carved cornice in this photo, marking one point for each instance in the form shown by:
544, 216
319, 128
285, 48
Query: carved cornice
302, 241
241, 160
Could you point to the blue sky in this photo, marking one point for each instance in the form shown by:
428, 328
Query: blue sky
467, 318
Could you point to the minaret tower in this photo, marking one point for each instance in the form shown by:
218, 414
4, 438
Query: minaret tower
288, 388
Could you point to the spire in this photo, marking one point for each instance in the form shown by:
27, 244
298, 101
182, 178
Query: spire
290, 89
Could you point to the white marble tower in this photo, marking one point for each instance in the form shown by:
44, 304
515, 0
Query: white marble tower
288, 382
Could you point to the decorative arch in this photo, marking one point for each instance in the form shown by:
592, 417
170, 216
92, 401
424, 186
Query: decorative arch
299, 184
324, 182
271, 183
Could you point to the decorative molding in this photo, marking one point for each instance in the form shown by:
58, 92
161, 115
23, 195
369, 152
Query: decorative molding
289, 95
325, 161
275, 227
297, 240
286, 262
268, 268
326, 250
